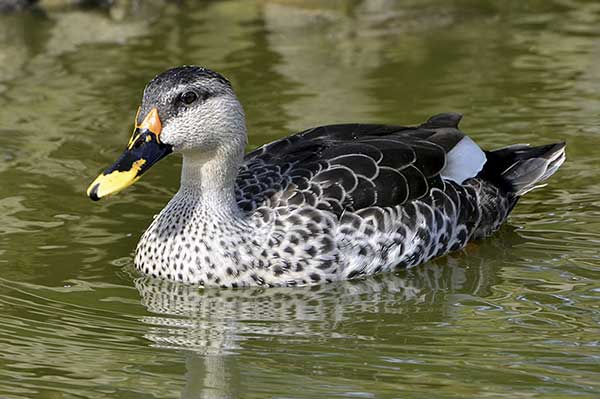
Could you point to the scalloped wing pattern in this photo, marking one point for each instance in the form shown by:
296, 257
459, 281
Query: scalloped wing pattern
347, 167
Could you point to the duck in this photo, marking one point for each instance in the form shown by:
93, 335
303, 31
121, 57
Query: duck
330, 203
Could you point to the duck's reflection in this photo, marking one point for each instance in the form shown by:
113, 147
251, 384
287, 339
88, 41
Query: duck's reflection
209, 325
209, 377
216, 321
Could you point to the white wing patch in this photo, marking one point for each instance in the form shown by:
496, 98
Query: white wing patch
463, 161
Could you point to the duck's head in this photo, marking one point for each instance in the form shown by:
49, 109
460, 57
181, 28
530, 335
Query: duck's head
189, 109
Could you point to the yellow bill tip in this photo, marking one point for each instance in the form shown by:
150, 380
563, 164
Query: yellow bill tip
113, 182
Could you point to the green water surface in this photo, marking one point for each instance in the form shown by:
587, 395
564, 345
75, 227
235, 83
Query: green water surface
514, 316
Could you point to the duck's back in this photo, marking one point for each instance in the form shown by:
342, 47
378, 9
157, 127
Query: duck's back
355, 166
347, 200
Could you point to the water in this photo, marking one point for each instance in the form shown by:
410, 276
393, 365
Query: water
514, 316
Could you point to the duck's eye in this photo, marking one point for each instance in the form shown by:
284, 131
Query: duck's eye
188, 97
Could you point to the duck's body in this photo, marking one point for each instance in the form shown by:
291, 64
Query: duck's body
330, 203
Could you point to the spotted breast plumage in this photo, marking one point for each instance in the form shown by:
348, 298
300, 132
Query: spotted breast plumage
330, 203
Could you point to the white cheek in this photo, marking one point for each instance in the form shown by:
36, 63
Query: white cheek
169, 136
204, 128
177, 131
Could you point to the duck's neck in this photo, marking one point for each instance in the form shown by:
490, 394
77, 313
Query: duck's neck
209, 178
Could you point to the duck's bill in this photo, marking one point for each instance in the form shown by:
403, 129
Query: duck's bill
144, 150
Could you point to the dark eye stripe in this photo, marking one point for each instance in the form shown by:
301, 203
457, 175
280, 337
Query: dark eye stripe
188, 97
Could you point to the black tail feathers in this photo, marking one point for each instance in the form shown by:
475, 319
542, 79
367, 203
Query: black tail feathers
520, 168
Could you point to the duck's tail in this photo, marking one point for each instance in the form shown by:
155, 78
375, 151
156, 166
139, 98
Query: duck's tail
521, 168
